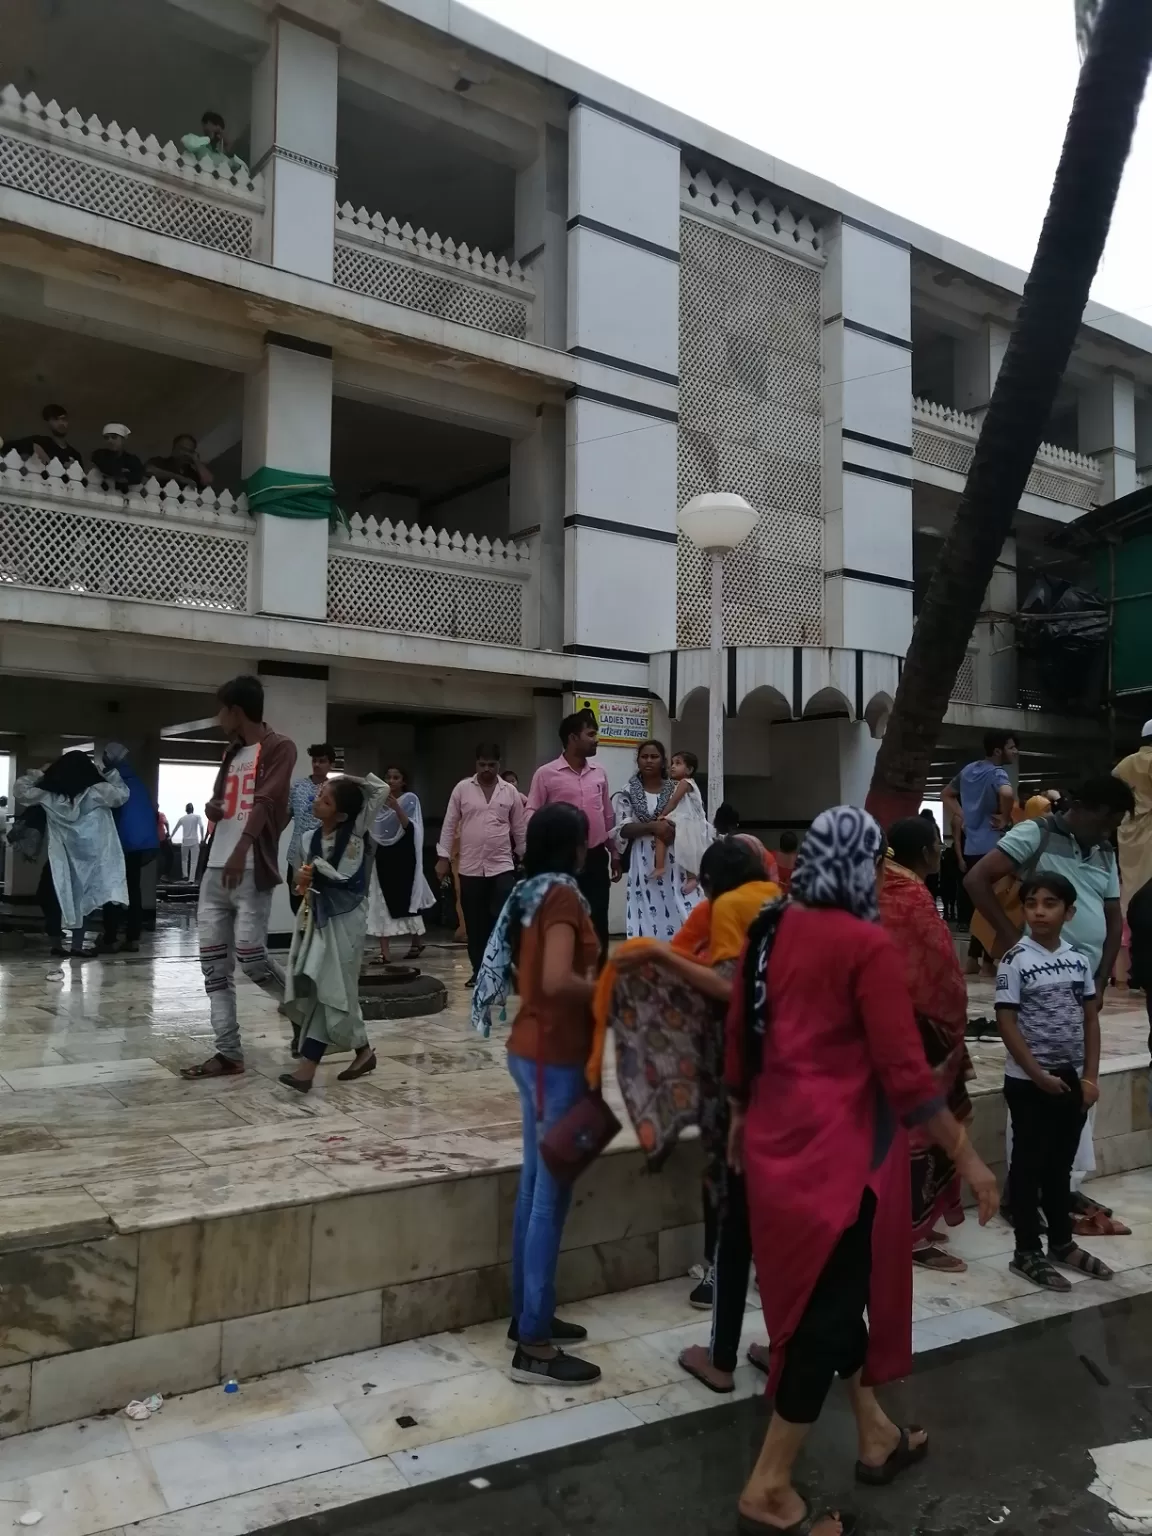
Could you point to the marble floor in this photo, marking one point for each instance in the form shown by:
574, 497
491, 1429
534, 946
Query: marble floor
98, 1133
320, 1436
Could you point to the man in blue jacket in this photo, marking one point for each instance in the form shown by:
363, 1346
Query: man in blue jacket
136, 824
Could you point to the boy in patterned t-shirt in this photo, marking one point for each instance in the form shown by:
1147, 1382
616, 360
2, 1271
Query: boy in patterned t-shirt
1046, 1010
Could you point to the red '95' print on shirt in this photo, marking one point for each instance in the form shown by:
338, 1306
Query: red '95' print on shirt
239, 793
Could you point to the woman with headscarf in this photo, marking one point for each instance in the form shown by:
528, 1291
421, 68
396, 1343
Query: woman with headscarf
656, 902
666, 1005
85, 868
399, 890
940, 1001
823, 1063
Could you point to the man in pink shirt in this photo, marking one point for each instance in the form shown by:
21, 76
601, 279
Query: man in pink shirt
572, 779
489, 817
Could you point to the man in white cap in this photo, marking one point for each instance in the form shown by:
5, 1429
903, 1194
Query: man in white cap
1134, 840
121, 468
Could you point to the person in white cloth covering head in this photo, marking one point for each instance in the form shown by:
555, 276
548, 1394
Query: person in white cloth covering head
399, 891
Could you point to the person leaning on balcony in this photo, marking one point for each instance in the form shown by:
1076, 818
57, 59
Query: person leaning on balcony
52, 444
210, 144
115, 463
182, 465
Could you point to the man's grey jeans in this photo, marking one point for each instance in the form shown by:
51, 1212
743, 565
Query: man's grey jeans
234, 926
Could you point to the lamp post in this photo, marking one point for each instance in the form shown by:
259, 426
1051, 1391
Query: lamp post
716, 522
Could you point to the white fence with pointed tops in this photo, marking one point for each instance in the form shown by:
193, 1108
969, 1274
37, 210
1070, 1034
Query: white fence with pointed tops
946, 438
401, 265
64, 530
105, 169
384, 575
755, 216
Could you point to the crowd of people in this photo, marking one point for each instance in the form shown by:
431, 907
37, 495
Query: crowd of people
119, 468
806, 1010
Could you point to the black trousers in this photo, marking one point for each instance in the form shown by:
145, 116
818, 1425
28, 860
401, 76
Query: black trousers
113, 915
49, 901
732, 1269
1046, 1130
595, 880
481, 899
1140, 938
831, 1339
294, 901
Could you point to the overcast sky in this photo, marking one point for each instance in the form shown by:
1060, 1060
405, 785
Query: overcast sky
950, 112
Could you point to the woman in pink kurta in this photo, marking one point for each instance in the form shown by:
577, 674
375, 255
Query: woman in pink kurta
825, 1069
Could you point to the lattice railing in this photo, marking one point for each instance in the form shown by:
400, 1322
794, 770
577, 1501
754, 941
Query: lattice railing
751, 422
964, 688
947, 438
107, 170
401, 265
745, 211
384, 575
61, 531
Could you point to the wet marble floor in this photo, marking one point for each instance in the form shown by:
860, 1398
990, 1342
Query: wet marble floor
98, 1132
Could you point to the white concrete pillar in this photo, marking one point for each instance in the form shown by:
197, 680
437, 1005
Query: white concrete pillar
295, 705
623, 320
1107, 425
536, 502
294, 89
978, 357
995, 635
1143, 425
541, 239
868, 580
288, 425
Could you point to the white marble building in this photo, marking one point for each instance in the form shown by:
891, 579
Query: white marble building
519, 314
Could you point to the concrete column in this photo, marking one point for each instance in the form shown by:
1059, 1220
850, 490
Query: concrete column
536, 501
295, 705
548, 709
1143, 421
977, 366
623, 317
294, 88
541, 238
1108, 432
995, 635
867, 441
288, 425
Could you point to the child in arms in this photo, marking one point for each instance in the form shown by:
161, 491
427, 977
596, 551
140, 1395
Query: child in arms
685, 810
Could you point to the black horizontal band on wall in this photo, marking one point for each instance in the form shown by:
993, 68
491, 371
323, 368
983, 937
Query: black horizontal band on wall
296, 344
607, 653
606, 525
877, 474
870, 330
653, 248
613, 690
641, 370
875, 578
622, 403
875, 442
303, 669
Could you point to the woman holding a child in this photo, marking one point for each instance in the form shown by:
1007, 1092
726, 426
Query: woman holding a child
660, 893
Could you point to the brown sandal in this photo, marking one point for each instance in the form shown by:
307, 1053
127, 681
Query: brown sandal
215, 1066
936, 1259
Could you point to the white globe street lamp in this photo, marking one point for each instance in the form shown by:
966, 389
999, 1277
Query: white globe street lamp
716, 522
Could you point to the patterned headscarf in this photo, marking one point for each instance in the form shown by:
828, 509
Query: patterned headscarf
496, 974
836, 867
638, 798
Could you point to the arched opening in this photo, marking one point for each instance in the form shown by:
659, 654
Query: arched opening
876, 712
828, 704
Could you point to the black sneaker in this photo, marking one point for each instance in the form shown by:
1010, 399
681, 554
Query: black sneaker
561, 1371
471, 982
701, 1297
562, 1333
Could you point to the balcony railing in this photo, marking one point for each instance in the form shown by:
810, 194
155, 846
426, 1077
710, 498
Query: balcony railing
61, 530
107, 170
947, 439
401, 265
384, 575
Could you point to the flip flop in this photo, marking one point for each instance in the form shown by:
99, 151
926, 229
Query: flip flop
935, 1258
215, 1066
903, 1457
849, 1525
703, 1380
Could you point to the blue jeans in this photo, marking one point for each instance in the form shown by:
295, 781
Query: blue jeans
541, 1204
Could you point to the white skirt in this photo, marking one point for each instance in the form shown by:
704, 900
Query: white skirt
381, 923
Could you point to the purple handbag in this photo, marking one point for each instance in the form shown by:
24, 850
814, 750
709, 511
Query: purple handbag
579, 1137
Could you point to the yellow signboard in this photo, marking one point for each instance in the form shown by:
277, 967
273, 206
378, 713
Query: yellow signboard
621, 722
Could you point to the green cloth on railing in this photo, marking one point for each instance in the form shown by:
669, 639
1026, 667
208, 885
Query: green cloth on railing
281, 493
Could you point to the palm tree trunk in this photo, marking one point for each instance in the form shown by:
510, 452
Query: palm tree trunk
1096, 146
